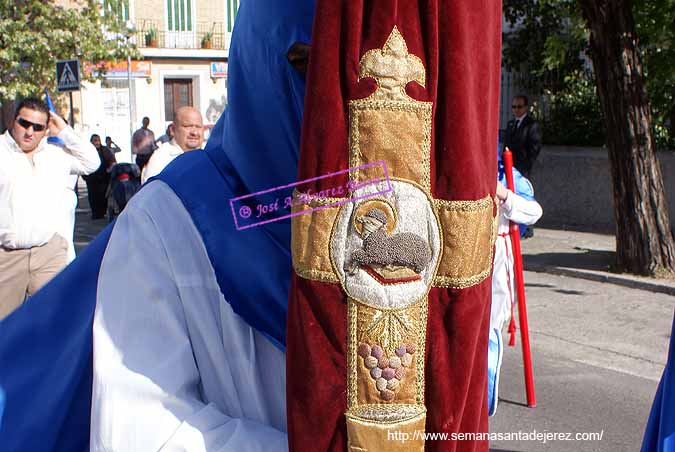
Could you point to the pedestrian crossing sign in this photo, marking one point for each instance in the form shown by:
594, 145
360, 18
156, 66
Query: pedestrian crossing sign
67, 75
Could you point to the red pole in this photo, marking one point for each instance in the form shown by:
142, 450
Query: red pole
514, 231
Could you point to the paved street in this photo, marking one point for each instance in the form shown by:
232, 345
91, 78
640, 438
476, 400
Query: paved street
86, 229
598, 348
598, 352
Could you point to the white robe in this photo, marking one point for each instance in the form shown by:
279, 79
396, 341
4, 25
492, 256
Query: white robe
175, 369
520, 210
162, 156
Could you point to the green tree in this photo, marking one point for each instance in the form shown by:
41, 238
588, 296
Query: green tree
644, 241
34, 34
548, 43
545, 47
655, 25
545, 42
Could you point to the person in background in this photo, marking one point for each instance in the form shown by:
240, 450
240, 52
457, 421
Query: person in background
523, 136
188, 135
168, 136
97, 182
110, 144
143, 144
33, 177
523, 209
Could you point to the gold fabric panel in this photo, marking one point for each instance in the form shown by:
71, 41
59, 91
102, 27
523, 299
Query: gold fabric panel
396, 436
396, 132
310, 239
469, 229
385, 388
388, 329
389, 125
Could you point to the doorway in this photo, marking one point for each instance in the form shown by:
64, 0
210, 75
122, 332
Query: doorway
177, 93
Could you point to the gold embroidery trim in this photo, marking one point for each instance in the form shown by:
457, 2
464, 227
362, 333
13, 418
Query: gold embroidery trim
366, 435
353, 358
391, 126
468, 242
466, 259
385, 414
464, 206
310, 238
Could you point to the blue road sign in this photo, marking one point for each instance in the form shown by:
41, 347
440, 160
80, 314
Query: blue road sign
68, 75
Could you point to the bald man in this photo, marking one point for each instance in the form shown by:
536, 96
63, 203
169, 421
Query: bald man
188, 135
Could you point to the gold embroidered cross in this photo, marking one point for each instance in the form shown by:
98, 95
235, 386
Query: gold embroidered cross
392, 67
387, 320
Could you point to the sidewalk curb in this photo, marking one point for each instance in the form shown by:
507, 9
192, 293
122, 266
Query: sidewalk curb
591, 275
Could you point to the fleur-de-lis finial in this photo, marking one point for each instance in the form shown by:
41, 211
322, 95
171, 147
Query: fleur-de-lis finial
392, 67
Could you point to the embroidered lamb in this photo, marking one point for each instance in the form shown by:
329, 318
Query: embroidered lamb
406, 249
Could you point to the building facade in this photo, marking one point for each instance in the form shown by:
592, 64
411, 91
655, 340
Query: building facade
184, 45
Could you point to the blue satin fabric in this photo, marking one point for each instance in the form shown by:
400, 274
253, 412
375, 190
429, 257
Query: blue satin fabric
255, 146
253, 266
660, 431
259, 132
46, 345
495, 354
46, 361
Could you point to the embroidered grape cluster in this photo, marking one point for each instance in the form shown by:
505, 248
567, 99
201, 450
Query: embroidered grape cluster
387, 371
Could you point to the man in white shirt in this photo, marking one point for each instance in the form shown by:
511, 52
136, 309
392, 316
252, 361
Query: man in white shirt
33, 174
188, 135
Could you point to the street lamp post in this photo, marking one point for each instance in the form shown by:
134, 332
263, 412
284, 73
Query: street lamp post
130, 29
131, 121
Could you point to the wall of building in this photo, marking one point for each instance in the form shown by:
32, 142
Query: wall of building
210, 11
148, 9
106, 110
574, 187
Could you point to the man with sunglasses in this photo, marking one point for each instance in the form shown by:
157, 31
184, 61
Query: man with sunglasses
523, 136
33, 174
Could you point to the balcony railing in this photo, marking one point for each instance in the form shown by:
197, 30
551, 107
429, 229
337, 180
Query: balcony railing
196, 39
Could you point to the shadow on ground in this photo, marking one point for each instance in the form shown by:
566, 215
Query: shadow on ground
580, 258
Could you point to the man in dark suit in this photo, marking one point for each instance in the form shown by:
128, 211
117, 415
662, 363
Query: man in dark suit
523, 136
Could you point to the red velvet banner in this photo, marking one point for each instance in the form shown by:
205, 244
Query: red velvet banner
459, 45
